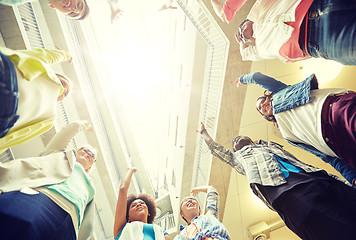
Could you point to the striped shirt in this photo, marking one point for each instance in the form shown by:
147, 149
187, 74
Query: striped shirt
259, 164
207, 225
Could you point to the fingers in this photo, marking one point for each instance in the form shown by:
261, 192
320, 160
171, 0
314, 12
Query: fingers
223, 17
237, 82
132, 169
201, 128
237, 38
90, 128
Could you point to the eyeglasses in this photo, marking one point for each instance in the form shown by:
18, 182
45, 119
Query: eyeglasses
76, 10
87, 151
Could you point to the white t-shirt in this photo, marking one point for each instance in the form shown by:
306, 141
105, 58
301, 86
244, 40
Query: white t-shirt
303, 124
134, 231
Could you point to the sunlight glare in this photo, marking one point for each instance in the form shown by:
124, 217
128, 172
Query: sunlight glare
325, 70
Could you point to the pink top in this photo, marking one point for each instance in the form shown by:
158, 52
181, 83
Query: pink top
276, 30
291, 49
231, 7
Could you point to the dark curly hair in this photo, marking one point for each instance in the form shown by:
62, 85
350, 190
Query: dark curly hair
150, 202
266, 95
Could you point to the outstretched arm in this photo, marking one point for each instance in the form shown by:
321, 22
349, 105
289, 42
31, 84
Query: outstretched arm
116, 12
61, 140
266, 82
120, 215
219, 151
49, 56
212, 198
196, 190
208, 140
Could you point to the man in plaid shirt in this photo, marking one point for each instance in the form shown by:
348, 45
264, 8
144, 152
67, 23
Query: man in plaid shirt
201, 227
311, 202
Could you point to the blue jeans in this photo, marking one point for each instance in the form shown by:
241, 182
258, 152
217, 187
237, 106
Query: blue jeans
8, 95
33, 217
332, 30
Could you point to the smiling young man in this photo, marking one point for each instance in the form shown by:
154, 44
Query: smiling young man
311, 202
75, 9
204, 227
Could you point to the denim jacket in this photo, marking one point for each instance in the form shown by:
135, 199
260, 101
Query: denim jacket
288, 97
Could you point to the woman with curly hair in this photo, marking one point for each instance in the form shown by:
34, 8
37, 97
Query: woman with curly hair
135, 214
320, 121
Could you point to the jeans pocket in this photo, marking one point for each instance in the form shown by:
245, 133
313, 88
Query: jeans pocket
315, 52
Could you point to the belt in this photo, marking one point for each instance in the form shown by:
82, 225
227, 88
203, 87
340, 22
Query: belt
303, 34
325, 111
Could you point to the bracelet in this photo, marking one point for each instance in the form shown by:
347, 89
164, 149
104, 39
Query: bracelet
201, 132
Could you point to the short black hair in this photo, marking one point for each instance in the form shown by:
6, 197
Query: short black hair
241, 142
149, 201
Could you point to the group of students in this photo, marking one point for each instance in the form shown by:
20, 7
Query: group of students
313, 203
52, 196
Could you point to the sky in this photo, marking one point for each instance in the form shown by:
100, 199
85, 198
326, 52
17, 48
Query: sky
135, 49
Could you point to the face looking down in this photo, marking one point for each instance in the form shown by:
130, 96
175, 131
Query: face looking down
264, 106
76, 9
85, 157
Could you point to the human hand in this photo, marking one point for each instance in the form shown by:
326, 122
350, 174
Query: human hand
202, 128
58, 48
132, 169
237, 38
237, 81
196, 190
116, 12
88, 126
223, 16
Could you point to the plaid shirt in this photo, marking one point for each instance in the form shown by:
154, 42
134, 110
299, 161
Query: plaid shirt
207, 225
258, 163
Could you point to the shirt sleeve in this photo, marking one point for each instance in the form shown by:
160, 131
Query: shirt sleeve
254, 12
226, 156
61, 140
212, 200
48, 56
250, 53
346, 171
264, 81
231, 7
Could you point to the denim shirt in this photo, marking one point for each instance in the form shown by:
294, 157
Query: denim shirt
288, 97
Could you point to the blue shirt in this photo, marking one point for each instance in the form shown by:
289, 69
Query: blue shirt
288, 97
286, 166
